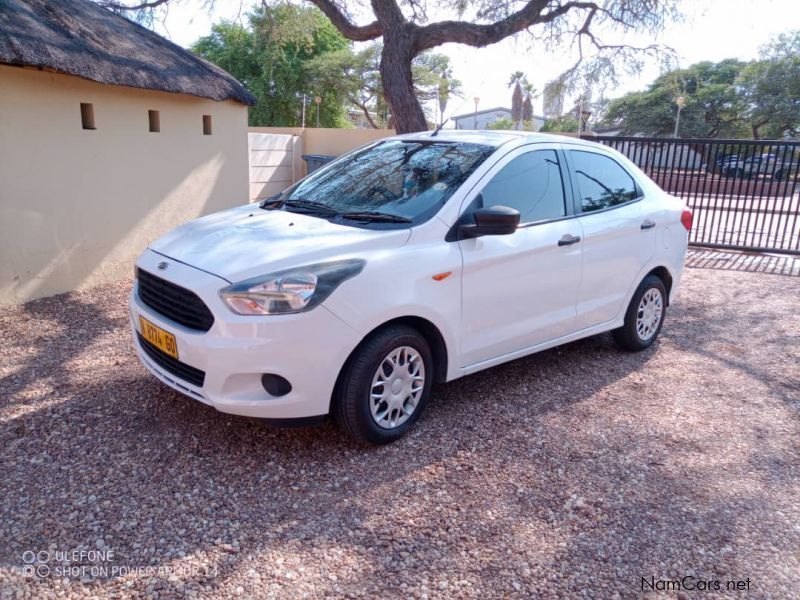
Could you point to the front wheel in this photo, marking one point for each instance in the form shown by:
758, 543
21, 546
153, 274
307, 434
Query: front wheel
644, 317
385, 385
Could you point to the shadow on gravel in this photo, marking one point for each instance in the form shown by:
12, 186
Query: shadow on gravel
547, 473
63, 326
117, 457
743, 262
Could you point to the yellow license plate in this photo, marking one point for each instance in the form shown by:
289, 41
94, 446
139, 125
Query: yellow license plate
158, 337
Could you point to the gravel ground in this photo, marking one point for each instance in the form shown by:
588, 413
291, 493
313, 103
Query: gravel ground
572, 473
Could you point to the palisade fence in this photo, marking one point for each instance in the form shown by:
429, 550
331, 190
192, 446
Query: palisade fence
744, 193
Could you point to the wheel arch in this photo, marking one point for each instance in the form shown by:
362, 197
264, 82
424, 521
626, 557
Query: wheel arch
427, 329
665, 276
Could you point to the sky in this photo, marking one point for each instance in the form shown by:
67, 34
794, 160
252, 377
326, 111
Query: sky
712, 30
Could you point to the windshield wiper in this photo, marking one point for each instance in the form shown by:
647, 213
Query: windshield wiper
311, 206
375, 217
272, 202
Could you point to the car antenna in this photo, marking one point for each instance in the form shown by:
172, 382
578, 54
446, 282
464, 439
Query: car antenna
439, 127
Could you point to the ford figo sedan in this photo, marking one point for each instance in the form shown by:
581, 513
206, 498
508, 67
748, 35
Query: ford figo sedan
414, 260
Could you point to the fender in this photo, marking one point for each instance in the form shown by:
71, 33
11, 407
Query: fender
655, 263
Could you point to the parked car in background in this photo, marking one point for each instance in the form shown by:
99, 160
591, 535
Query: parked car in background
769, 165
416, 259
720, 163
729, 166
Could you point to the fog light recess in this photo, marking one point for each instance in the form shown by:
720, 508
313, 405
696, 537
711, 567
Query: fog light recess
275, 384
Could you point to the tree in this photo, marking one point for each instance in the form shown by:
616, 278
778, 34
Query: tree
564, 123
516, 97
527, 106
503, 124
507, 123
771, 89
713, 107
406, 32
444, 96
272, 58
355, 76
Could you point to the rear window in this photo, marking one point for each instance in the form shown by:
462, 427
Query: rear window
602, 182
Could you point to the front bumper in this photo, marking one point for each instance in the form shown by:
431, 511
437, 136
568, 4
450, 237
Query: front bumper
308, 349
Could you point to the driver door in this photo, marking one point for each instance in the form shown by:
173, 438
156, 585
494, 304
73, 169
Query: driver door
521, 290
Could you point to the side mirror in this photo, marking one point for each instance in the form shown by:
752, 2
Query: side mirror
494, 220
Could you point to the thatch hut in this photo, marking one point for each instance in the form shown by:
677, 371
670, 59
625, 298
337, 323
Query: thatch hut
109, 136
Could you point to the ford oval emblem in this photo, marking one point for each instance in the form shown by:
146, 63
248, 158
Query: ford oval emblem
163, 265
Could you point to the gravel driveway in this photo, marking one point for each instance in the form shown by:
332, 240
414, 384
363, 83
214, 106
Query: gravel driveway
572, 473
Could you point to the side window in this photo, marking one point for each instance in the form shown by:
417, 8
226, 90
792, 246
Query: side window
530, 183
602, 182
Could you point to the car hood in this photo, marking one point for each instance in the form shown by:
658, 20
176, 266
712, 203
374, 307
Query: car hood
249, 241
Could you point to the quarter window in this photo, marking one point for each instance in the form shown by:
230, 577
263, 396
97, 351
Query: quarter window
531, 183
602, 182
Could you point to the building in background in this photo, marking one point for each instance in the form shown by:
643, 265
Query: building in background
483, 118
111, 136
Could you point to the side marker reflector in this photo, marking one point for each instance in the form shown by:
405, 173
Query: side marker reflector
440, 276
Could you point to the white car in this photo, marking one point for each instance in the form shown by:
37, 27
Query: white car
413, 260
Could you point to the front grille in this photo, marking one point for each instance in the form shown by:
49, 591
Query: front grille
174, 302
172, 365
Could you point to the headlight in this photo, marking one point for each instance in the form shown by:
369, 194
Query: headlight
289, 291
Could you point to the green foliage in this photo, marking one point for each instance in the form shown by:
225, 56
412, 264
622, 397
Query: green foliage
564, 123
730, 98
713, 108
271, 58
355, 76
507, 124
289, 50
771, 89
501, 124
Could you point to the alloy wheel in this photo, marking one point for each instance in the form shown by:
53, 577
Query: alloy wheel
649, 313
397, 387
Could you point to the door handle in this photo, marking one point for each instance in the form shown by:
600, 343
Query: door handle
568, 240
648, 224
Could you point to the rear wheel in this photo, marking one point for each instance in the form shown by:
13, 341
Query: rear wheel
385, 385
644, 317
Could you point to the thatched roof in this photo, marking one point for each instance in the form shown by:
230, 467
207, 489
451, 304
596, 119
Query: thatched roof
80, 38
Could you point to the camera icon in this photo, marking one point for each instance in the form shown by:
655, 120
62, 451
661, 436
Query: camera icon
28, 571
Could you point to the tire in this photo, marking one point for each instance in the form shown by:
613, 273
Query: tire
391, 349
640, 330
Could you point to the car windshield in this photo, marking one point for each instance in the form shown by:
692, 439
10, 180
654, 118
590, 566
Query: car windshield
395, 181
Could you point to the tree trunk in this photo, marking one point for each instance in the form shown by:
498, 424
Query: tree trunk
398, 84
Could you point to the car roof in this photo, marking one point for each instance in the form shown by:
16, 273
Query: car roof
495, 138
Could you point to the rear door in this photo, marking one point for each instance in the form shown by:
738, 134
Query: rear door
619, 233
521, 289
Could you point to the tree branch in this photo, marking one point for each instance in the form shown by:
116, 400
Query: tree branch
357, 33
132, 7
388, 13
365, 110
474, 34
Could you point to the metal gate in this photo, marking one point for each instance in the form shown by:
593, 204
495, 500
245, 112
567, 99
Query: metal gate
744, 193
